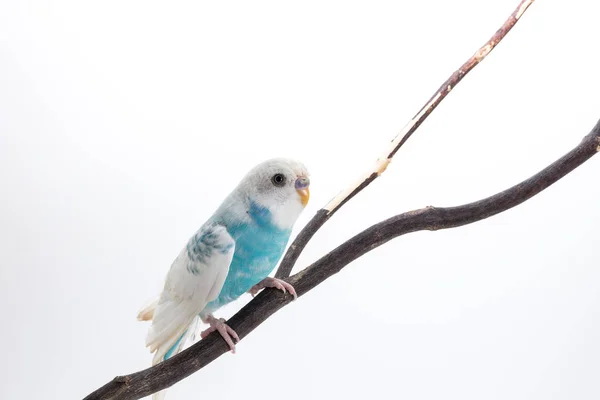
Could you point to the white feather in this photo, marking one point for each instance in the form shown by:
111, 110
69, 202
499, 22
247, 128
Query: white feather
147, 312
283, 202
185, 293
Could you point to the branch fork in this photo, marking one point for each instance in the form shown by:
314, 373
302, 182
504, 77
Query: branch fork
269, 301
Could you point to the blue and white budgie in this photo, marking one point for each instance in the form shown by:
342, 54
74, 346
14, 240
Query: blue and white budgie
231, 254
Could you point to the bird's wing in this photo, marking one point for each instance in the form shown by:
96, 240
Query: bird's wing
195, 278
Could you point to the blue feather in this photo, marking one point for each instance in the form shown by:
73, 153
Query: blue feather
259, 245
172, 349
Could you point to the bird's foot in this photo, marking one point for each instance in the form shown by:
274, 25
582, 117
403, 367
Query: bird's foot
218, 324
273, 283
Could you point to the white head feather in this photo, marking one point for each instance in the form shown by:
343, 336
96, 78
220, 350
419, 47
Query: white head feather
272, 185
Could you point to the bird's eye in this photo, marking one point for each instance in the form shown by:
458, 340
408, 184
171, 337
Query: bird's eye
278, 179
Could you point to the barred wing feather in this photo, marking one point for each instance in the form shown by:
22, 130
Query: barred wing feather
195, 279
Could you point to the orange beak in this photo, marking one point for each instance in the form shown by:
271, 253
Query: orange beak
304, 196
302, 184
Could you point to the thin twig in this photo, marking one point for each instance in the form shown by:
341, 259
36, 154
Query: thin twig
298, 245
167, 373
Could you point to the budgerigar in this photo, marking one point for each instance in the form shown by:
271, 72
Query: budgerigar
231, 254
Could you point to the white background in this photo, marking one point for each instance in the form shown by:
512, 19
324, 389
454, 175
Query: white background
124, 124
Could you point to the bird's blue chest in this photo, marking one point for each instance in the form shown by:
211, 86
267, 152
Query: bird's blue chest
259, 244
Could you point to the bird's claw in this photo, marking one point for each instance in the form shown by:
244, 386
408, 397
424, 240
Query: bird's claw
227, 333
273, 283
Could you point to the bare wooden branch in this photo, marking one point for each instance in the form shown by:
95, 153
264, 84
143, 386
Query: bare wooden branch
165, 374
293, 252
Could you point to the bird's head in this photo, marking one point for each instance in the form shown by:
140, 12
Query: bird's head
279, 185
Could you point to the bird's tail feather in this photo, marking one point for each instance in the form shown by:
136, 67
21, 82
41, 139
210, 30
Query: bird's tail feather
147, 313
169, 344
167, 337
173, 346
159, 395
176, 346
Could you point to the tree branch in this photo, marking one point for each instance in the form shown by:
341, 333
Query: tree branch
165, 374
298, 245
